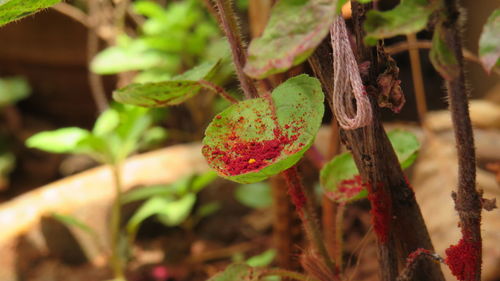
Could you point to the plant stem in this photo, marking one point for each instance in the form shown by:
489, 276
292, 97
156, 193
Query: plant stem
302, 198
418, 82
467, 199
286, 273
95, 81
116, 260
405, 230
229, 24
218, 90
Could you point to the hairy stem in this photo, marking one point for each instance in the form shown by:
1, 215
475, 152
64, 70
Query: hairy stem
218, 90
229, 24
467, 199
116, 260
302, 198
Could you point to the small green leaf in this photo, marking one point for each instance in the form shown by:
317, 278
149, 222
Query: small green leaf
172, 92
13, 89
11, 10
263, 259
295, 29
236, 271
208, 209
340, 177
107, 122
168, 210
72, 221
410, 16
254, 195
63, 140
406, 146
442, 56
177, 211
201, 181
489, 42
132, 55
255, 139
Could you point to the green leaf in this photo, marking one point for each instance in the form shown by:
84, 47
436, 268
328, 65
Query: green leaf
72, 221
208, 209
295, 29
410, 16
63, 140
255, 139
13, 89
263, 259
254, 195
442, 56
177, 211
236, 271
106, 123
134, 55
201, 181
406, 146
11, 10
340, 177
489, 42
172, 92
169, 211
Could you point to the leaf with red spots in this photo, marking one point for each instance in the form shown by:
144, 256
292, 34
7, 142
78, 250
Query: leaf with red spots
295, 29
340, 177
166, 93
255, 139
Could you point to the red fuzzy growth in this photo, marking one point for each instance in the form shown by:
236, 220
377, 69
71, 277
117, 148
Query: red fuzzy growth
381, 212
463, 260
295, 189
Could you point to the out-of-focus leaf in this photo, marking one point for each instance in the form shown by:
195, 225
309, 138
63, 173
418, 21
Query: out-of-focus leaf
441, 55
208, 209
7, 164
295, 29
201, 181
254, 195
406, 146
153, 137
489, 42
169, 211
237, 271
255, 139
11, 10
13, 89
177, 211
72, 221
63, 140
135, 55
172, 92
263, 259
106, 123
410, 16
